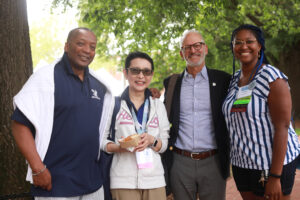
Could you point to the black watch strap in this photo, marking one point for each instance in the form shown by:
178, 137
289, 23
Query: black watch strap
155, 143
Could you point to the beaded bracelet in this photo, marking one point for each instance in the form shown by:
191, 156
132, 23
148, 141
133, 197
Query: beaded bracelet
275, 175
39, 172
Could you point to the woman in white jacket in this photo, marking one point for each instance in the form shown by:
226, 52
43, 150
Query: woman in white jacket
137, 173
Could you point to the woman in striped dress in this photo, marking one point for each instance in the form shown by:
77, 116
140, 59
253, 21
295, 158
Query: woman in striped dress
257, 109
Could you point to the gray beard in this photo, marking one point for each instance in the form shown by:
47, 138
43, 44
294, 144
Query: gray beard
191, 64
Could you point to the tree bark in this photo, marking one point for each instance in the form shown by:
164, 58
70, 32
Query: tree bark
16, 66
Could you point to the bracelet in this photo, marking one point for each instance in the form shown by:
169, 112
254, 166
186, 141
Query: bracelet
39, 172
275, 175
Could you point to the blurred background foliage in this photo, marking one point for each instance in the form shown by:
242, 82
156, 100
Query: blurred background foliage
155, 26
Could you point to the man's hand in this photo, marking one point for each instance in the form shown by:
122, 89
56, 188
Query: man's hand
155, 93
26, 144
43, 180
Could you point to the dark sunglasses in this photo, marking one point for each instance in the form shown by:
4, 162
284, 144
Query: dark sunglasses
137, 71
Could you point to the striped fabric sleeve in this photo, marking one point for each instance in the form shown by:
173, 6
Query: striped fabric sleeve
273, 74
269, 75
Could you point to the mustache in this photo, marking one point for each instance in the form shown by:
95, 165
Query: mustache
194, 54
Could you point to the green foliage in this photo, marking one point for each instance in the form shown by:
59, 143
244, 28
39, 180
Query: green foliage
108, 63
45, 41
156, 26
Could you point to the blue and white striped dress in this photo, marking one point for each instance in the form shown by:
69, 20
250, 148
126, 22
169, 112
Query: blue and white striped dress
252, 132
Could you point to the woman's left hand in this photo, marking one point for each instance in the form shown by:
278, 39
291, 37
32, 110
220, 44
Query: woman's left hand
273, 189
146, 140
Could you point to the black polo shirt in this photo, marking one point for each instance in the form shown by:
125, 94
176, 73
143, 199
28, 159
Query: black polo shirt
73, 150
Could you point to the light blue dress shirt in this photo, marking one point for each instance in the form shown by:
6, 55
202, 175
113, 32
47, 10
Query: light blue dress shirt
196, 131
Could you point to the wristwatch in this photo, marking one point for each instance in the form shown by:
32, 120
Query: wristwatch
155, 142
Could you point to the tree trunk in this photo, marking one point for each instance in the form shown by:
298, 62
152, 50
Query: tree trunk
289, 63
16, 66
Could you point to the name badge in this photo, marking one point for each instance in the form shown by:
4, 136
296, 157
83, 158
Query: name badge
243, 98
144, 158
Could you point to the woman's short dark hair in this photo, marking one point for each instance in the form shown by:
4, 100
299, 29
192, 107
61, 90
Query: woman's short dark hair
138, 54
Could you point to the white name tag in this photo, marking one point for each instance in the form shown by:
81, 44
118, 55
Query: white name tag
244, 92
144, 158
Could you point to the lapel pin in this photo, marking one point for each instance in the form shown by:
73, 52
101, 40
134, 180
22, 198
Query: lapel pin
214, 84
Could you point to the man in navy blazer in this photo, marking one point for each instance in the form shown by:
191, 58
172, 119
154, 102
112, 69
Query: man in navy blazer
197, 159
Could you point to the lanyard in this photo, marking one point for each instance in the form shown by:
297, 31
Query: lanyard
244, 93
256, 68
141, 128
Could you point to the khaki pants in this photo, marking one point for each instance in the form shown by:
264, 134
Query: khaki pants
139, 194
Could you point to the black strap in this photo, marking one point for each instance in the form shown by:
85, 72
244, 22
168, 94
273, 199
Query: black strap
113, 119
105, 158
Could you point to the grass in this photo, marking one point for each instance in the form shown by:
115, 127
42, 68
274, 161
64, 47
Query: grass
297, 131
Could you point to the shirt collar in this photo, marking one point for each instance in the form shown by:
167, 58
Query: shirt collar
125, 96
203, 73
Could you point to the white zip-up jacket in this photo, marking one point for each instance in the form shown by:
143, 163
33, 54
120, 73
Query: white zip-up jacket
124, 172
36, 101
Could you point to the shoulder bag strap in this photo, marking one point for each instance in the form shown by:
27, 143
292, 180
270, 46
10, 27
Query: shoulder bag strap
170, 92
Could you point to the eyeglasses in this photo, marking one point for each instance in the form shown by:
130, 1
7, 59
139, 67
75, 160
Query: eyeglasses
137, 71
240, 43
197, 46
